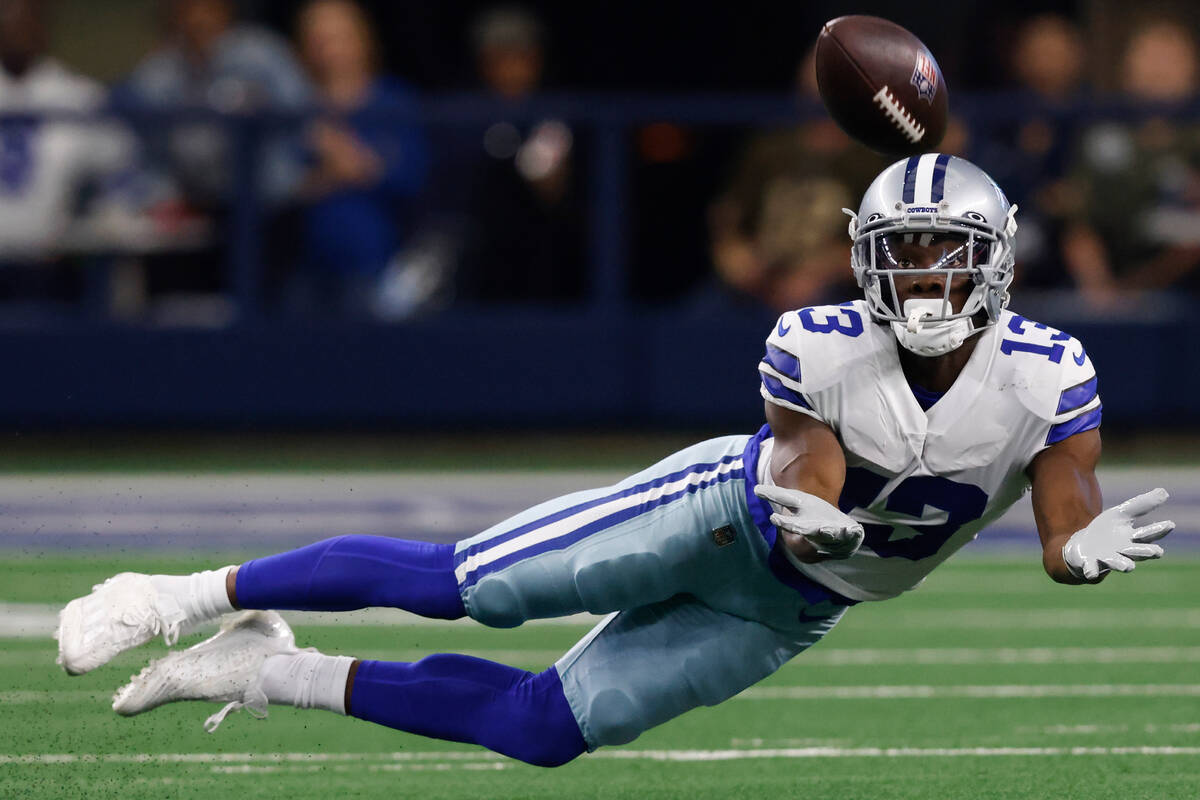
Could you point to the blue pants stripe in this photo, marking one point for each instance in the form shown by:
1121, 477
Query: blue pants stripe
604, 523
501, 537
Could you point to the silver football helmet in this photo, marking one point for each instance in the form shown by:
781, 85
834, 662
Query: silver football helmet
934, 200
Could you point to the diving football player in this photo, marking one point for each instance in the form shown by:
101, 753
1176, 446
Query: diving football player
898, 426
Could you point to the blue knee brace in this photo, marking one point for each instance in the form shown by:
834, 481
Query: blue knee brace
351, 572
466, 699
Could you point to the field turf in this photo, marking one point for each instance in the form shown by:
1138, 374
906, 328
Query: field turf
988, 682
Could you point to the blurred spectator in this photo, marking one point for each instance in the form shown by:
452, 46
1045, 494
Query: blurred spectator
46, 166
1137, 185
212, 62
365, 163
1029, 158
778, 234
525, 236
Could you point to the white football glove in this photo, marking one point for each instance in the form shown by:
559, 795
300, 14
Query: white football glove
832, 533
1111, 542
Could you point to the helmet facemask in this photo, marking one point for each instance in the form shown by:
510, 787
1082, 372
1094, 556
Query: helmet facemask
969, 247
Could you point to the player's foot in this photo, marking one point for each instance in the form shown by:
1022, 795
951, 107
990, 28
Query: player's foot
223, 669
123, 612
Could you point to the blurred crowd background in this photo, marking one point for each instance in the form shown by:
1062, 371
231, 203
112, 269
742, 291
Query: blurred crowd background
206, 164
317, 138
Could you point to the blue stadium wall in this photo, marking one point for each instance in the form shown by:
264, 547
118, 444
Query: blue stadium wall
465, 370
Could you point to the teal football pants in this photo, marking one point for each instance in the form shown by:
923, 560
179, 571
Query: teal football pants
673, 556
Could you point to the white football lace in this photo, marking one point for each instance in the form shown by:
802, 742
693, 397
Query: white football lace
164, 616
254, 701
899, 115
155, 622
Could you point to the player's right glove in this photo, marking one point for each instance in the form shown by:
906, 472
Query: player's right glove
1110, 541
832, 533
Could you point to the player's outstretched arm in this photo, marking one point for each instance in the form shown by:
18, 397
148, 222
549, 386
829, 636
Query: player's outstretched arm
808, 468
1080, 542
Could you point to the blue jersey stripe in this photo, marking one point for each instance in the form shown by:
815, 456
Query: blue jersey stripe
813, 593
480, 547
578, 534
1077, 396
937, 189
1084, 422
910, 179
760, 513
783, 362
777, 389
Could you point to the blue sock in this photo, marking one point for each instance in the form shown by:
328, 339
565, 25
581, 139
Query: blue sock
351, 572
466, 699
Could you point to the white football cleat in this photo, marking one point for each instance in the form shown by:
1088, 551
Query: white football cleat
123, 612
222, 669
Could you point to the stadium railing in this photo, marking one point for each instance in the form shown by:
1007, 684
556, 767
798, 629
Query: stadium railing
637, 364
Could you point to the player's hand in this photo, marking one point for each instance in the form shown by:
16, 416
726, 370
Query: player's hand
832, 533
1111, 542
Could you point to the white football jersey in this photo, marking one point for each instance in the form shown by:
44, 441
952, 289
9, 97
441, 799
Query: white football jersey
924, 483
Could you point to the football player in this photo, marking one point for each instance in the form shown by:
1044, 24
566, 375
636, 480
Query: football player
898, 426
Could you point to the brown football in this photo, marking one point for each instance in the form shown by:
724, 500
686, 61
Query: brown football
881, 85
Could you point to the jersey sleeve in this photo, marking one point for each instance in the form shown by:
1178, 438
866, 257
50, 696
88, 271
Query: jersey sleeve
781, 370
1077, 406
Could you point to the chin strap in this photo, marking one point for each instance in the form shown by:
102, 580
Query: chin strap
925, 333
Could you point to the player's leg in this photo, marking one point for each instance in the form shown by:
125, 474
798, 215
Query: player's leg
339, 574
674, 527
254, 662
643, 667
352, 572
637, 669
464, 699
638, 541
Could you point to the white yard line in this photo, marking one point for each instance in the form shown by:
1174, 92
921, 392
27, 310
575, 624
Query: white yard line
817, 657
35, 620
1027, 619
1000, 655
875, 692
242, 763
38, 620
1097, 728
252, 769
246, 758
831, 657
26, 697
888, 752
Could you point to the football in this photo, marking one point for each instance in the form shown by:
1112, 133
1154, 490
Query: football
881, 85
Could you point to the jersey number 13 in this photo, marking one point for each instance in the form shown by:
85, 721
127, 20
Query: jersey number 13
961, 502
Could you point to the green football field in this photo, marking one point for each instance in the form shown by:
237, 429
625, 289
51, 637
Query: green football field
988, 682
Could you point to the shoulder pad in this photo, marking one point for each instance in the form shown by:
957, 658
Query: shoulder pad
816, 346
1051, 370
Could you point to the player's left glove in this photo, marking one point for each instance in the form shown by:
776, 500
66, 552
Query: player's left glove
1110, 541
832, 533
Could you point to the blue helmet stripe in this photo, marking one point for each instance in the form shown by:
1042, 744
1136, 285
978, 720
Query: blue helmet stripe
937, 189
910, 180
